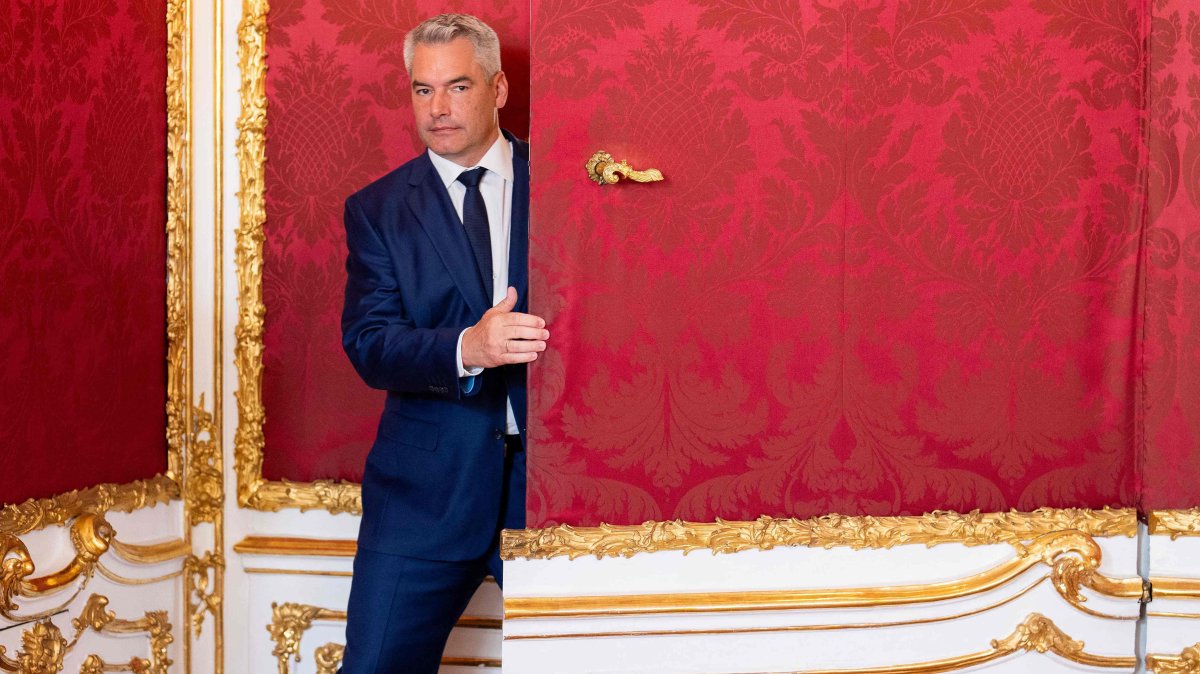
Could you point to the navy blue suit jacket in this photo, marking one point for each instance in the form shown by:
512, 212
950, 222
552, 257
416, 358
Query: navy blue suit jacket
433, 479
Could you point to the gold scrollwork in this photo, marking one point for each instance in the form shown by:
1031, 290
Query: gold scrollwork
329, 658
34, 514
96, 617
603, 170
178, 235
289, 622
204, 491
42, 651
90, 535
201, 572
828, 531
1187, 662
44, 647
1175, 523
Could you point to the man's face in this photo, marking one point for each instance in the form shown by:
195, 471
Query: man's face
454, 102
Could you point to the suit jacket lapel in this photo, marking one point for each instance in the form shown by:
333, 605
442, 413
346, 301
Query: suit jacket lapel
518, 247
431, 205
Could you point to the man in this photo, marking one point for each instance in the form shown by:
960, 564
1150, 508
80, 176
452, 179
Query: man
434, 315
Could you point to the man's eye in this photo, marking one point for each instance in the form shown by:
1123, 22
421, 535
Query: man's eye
422, 92
461, 87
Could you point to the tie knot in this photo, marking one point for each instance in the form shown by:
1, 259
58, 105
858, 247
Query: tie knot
472, 178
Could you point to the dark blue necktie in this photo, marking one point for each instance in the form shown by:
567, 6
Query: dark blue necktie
475, 220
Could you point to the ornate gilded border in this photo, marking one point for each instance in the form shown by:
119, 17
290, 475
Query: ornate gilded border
1175, 523
34, 514
253, 490
828, 531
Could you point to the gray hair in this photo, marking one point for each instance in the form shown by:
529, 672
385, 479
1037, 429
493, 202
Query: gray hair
445, 28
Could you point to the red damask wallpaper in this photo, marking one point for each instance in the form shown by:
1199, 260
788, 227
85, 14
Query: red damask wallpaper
893, 266
1171, 388
338, 118
82, 244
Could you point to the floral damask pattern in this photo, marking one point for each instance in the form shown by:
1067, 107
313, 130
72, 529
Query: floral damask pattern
892, 268
338, 118
82, 243
1171, 389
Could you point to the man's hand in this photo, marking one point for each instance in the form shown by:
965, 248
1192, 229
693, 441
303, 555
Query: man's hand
503, 337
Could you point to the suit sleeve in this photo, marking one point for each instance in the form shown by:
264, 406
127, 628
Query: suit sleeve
387, 350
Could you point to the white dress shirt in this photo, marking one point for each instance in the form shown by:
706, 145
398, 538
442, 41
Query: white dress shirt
497, 190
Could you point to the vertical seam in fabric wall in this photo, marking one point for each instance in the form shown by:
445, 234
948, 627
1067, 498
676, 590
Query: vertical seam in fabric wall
1140, 305
843, 321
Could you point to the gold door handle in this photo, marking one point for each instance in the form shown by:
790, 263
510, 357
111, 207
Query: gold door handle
602, 169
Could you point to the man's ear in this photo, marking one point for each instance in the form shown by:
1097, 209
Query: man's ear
501, 85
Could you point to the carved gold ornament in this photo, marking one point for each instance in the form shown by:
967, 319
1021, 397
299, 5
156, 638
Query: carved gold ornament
289, 622
603, 170
828, 531
1187, 662
329, 658
34, 514
204, 490
44, 647
201, 573
1175, 523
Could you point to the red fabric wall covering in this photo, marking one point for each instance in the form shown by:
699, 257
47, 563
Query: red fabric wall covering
893, 267
82, 244
338, 117
1171, 387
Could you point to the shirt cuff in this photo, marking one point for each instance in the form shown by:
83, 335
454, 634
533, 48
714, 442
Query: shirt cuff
462, 371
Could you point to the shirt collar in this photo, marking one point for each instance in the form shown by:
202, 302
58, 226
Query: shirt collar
498, 160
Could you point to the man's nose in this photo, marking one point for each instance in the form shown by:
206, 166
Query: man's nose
440, 105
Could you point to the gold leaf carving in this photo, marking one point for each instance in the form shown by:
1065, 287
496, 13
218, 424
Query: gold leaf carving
201, 573
37, 514
1039, 633
204, 491
1176, 523
289, 622
329, 658
1187, 662
829, 531
178, 236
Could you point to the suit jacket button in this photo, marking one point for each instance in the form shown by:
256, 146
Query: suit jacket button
499, 435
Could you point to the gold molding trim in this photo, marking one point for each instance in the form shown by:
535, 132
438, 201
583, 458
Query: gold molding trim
35, 514
1174, 523
1074, 559
253, 490
827, 627
1187, 662
153, 623
179, 248
286, 546
151, 553
1036, 634
290, 620
827, 531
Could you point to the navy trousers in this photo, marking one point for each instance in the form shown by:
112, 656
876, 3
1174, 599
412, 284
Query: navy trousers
402, 609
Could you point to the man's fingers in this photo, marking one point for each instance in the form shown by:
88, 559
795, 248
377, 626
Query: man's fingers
523, 346
527, 320
514, 358
522, 332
